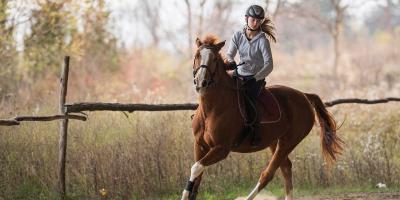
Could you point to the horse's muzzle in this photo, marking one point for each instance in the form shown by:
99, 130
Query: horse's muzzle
203, 84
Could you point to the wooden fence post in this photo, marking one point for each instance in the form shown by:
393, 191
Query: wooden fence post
62, 154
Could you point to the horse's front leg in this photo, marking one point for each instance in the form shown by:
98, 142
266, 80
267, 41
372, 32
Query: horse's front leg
199, 153
193, 193
215, 154
195, 171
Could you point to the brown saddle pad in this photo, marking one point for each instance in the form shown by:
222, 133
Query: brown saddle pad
271, 111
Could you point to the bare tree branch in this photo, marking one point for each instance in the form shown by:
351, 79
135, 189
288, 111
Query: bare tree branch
222, 11
334, 26
306, 13
189, 24
151, 19
279, 5
201, 18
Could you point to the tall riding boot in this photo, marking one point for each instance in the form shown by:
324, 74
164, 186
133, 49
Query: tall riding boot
248, 127
256, 139
243, 135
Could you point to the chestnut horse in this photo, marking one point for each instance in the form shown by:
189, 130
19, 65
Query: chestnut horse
218, 123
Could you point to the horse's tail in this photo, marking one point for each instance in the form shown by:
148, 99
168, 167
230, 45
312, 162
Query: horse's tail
330, 141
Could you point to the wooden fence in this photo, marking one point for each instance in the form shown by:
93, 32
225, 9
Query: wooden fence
65, 110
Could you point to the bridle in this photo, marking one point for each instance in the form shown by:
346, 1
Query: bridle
206, 82
210, 82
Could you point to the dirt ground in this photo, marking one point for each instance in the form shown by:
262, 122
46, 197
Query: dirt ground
352, 196
357, 196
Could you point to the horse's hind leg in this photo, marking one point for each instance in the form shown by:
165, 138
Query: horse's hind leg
286, 169
278, 157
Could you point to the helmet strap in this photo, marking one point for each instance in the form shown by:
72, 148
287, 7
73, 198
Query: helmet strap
250, 29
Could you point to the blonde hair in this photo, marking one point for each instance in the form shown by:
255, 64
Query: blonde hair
268, 28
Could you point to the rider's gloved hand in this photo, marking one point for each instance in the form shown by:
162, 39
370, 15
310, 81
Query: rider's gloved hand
232, 65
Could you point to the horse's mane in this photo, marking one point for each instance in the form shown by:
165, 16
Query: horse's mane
211, 39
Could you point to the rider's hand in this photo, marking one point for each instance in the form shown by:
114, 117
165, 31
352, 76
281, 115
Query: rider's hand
231, 73
232, 65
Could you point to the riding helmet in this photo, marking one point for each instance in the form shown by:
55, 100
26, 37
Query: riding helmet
255, 11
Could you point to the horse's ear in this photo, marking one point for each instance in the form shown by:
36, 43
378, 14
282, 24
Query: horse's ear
220, 45
198, 42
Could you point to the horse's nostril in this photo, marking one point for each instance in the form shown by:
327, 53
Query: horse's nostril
194, 81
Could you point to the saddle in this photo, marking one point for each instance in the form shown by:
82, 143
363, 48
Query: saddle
267, 106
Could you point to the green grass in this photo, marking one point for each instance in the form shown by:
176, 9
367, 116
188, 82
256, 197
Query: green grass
278, 191
34, 190
231, 192
31, 189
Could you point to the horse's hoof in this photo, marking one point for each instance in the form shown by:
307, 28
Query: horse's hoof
193, 196
185, 195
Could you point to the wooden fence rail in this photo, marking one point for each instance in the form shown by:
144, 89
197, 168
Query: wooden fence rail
360, 101
79, 107
15, 121
86, 106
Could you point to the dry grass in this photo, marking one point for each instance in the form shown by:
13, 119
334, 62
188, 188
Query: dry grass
150, 154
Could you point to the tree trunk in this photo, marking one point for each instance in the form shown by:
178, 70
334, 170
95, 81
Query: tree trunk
201, 18
336, 52
189, 28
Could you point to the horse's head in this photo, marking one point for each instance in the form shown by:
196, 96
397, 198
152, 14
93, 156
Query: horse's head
206, 61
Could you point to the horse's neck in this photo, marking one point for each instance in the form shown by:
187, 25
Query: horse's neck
222, 93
